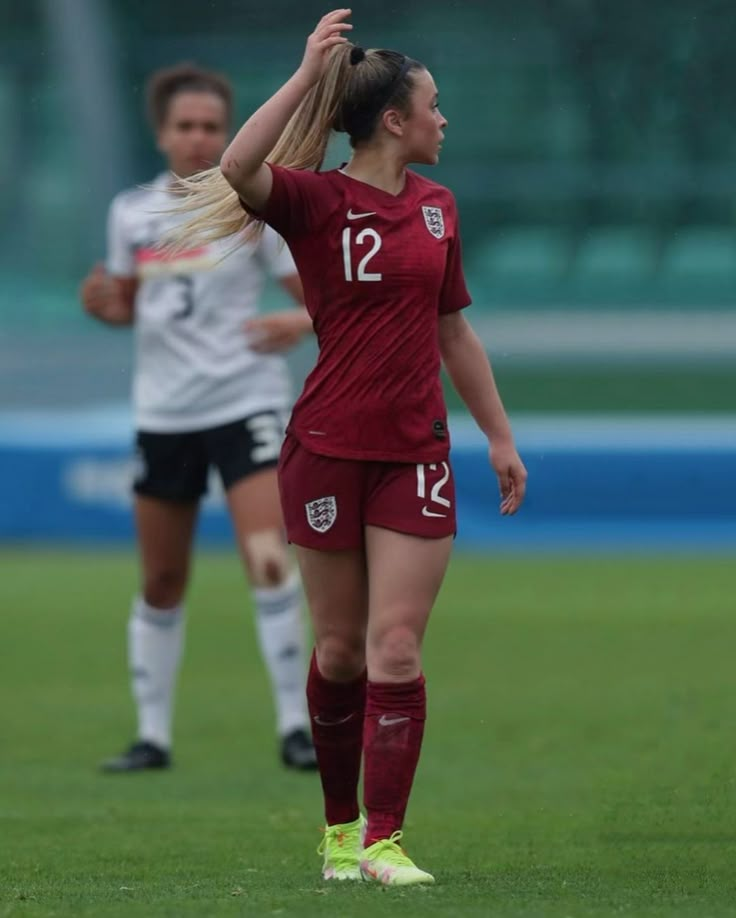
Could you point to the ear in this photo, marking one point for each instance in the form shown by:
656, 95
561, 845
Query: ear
393, 121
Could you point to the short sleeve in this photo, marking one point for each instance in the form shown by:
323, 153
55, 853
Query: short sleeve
296, 203
120, 256
274, 254
454, 293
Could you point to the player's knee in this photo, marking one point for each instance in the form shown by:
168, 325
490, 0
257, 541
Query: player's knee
266, 558
396, 653
341, 658
164, 589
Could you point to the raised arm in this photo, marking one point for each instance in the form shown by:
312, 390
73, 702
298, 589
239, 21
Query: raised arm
469, 369
243, 162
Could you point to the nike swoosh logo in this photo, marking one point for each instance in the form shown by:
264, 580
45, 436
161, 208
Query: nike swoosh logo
426, 512
352, 216
390, 721
332, 723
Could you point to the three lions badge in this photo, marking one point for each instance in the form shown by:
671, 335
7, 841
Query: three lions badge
321, 513
434, 221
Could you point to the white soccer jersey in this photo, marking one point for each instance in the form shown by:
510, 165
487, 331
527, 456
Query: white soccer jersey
193, 367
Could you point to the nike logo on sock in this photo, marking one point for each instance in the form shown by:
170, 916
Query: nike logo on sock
332, 723
385, 721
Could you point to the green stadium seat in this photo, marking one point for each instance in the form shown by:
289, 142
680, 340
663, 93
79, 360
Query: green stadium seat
699, 264
615, 256
700, 252
527, 262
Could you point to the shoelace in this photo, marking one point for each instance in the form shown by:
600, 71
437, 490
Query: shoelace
388, 849
341, 846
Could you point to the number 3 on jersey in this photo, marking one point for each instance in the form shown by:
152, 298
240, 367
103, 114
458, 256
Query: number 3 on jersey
362, 239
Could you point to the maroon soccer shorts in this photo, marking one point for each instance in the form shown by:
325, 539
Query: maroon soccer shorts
327, 502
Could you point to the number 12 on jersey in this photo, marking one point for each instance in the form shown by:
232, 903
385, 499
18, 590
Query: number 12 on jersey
362, 238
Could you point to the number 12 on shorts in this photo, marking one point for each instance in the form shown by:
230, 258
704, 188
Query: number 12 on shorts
435, 495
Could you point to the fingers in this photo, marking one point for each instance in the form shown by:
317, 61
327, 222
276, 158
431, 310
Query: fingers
327, 32
268, 336
334, 16
271, 344
516, 493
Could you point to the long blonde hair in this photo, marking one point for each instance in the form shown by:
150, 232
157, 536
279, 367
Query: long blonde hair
355, 87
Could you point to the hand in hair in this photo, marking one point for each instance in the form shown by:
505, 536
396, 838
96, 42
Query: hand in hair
325, 36
290, 129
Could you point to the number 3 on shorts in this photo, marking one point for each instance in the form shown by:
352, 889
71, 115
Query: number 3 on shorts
435, 495
266, 436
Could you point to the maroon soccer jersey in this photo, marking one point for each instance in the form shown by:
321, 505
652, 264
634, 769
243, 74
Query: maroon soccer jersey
378, 270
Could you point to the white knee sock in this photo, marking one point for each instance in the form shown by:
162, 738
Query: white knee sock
281, 636
155, 643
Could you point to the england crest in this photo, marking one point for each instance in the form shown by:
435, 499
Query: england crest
434, 221
321, 513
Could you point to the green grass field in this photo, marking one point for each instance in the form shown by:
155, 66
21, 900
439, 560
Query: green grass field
578, 761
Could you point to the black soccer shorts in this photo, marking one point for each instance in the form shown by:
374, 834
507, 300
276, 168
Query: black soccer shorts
175, 466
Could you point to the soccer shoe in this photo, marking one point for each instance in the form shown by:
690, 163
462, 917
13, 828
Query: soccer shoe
141, 756
387, 863
298, 752
341, 847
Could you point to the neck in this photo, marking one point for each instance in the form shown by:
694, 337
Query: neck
374, 167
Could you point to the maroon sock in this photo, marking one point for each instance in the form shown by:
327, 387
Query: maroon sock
337, 710
392, 738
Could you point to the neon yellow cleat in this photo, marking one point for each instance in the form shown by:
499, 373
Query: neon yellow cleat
387, 863
342, 846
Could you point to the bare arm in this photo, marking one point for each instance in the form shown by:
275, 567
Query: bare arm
469, 369
292, 284
108, 299
243, 162
279, 331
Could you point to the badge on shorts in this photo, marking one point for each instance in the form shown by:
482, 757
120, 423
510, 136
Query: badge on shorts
321, 513
434, 220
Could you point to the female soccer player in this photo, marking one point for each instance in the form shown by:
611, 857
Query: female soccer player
366, 486
208, 391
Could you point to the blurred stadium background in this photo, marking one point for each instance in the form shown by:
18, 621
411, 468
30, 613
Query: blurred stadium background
591, 149
585, 704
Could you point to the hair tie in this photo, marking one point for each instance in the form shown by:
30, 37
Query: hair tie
357, 55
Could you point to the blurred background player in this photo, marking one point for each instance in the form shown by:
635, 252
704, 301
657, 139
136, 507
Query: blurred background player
366, 486
208, 391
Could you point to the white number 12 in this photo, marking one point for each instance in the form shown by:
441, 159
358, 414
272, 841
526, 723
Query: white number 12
362, 237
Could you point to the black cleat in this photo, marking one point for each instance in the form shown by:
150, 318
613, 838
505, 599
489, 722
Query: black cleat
298, 752
141, 756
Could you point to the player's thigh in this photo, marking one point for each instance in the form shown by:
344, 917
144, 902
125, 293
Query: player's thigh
405, 573
170, 479
254, 503
165, 533
245, 453
336, 587
255, 510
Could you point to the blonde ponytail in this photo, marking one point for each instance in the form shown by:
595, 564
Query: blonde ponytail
215, 209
